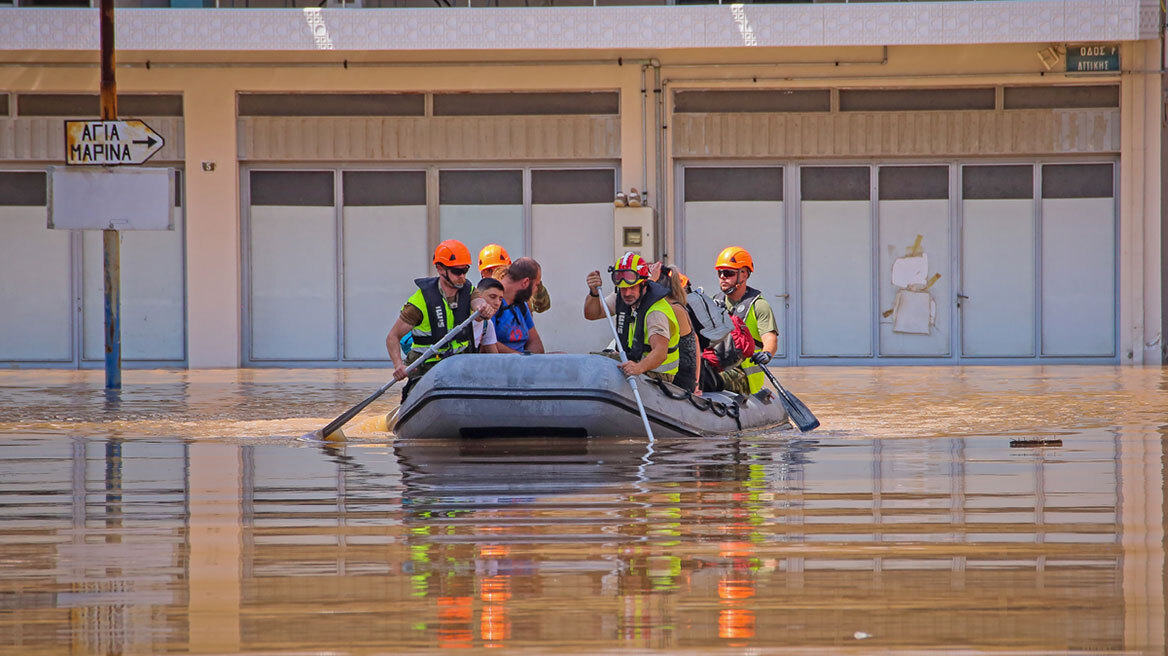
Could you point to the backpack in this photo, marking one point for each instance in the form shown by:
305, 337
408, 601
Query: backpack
711, 316
734, 348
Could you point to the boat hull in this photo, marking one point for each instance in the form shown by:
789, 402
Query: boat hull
489, 395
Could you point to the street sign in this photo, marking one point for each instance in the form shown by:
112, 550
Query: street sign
110, 143
139, 198
1093, 58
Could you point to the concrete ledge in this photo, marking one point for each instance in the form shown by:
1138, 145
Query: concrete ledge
641, 28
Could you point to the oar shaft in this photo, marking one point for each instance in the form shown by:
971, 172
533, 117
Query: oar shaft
426, 355
641, 406
620, 348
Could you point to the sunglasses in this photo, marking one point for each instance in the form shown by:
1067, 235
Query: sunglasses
727, 273
458, 271
625, 275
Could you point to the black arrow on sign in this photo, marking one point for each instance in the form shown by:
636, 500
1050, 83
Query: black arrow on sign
149, 141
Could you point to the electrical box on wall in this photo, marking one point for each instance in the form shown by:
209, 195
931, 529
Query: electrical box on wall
633, 229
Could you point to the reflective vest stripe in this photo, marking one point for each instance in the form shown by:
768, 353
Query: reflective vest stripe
423, 334
630, 324
754, 373
672, 357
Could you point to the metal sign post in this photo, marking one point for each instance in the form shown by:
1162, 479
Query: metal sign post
111, 240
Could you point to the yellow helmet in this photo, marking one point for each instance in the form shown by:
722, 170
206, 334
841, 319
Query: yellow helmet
493, 255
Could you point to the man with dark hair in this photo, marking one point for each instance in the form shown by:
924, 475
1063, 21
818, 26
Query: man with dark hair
485, 339
513, 324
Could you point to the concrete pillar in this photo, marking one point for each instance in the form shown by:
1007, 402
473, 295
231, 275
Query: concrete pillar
1141, 461
1163, 209
215, 539
213, 227
1140, 212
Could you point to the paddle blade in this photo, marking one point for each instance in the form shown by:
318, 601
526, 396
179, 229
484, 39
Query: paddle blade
318, 436
798, 412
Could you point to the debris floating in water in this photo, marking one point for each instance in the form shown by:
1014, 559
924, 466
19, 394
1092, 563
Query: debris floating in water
1034, 442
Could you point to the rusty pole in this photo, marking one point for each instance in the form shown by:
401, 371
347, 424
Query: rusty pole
111, 240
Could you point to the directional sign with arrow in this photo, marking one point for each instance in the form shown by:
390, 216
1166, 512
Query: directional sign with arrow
110, 143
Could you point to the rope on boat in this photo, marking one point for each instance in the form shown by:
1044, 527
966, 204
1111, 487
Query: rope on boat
701, 403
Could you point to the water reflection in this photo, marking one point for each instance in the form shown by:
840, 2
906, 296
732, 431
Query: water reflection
118, 546
827, 542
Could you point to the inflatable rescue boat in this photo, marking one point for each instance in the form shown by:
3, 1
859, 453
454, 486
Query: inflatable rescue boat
495, 395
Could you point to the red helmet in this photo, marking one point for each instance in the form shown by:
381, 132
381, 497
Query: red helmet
631, 269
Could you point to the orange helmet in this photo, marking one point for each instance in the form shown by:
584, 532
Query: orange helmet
734, 257
493, 255
629, 270
452, 253
671, 271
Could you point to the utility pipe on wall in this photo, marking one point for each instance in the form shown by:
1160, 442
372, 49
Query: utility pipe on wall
659, 163
346, 63
644, 128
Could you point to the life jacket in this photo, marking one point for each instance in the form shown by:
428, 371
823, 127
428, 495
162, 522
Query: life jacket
520, 315
630, 325
438, 318
744, 310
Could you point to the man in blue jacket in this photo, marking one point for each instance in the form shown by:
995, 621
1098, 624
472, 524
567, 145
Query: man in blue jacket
514, 327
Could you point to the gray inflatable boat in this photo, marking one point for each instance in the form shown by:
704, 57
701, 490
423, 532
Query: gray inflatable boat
489, 395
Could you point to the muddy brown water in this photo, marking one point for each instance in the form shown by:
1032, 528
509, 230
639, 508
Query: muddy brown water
184, 515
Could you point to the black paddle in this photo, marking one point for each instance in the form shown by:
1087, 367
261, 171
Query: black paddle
799, 413
326, 432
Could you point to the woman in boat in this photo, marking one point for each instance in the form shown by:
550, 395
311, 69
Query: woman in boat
688, 361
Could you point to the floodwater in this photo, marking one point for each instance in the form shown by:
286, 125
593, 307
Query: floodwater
183, 515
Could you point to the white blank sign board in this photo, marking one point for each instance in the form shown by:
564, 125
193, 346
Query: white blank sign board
111, 199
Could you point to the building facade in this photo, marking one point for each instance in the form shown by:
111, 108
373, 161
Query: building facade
918, 182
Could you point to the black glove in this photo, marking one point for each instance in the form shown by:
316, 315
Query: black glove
761, 357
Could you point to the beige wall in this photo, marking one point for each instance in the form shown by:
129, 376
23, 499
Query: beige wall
213, 232
213, 210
